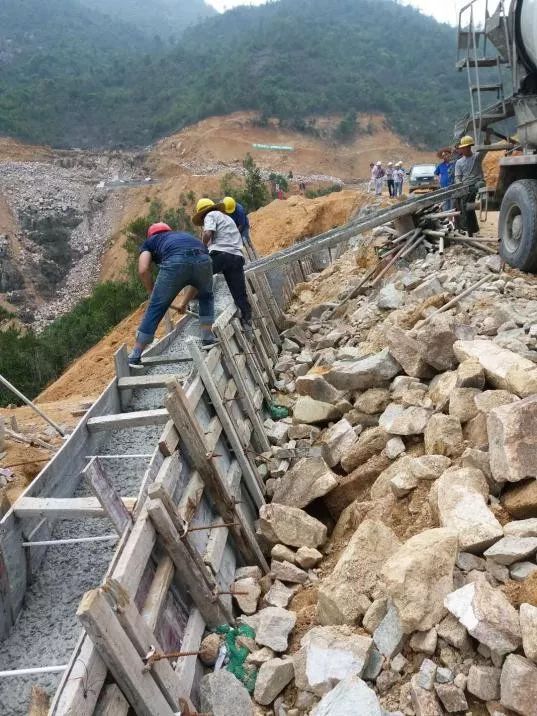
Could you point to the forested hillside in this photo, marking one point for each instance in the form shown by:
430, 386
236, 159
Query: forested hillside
164, 18
74, 77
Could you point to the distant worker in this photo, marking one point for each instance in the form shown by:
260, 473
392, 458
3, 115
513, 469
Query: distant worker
399, 179
445, 173
183, 260
467, 168
222, 236
237, 212
390, 179
378, 175
371, 186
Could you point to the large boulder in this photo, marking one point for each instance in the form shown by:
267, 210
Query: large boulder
309, 479
398, 420
419, 576
512, 433
355, 485
328, 655
436, 339
274, 625
519, 685
406, 351
281, 524
350, 697
272, 678
222, 694
371, 442
521, 501
345, 594
488, 616
459, 499
503, 368
337, 441
313, 412
371, 372
528, 627
443, 436
315, 386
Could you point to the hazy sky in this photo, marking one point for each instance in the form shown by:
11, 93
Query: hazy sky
444, 10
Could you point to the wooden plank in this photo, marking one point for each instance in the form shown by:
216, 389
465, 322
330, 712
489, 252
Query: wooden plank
261, 441
254, 368
6, 609
159, 380
112, 702
121, 362
169, 440
106, 494
143, 639
218, 537
163, 360
154, 602
120, 655
195, 449
261, 323
64, 508
122, 421
251, 478
191, 497
193, 579
186, 668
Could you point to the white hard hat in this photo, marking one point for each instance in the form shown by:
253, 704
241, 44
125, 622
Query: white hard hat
379, 164
390, 164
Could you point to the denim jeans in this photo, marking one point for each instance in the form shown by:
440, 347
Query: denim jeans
391, 187
232, 267
180, 270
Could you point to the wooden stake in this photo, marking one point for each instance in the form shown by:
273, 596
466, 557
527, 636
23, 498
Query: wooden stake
120, 655
33, 406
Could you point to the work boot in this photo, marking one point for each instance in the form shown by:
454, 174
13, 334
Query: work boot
247, 329
135, 356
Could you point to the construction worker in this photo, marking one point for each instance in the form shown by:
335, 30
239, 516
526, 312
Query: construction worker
390, 179
183, 260
371, 185
466, 168
240, 217
222, 236
445, 174
378, 175
398, 178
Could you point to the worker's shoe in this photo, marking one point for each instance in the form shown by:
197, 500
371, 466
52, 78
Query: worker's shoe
135, 357
247, 329
209, 340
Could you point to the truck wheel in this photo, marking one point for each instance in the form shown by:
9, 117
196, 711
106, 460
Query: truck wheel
518, 225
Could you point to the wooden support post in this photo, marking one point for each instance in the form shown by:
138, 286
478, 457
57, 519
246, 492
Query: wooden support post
169, 440
261, 323
143, 639
156, 598
112, 702
267, 305
33, 406
261, 439
104, 491
186, 668
254, 368
121, 657
251, 478
195, 580
195, 449
121, 362
2, 434
122, 421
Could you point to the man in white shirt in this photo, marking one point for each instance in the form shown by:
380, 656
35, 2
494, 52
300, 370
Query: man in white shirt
221, 235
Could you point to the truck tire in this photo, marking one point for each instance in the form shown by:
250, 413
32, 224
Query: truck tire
518, 225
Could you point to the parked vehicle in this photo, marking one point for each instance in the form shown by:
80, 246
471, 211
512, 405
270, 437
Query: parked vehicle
488, 46
421, 176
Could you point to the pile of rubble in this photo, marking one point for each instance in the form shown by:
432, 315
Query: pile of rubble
402, 526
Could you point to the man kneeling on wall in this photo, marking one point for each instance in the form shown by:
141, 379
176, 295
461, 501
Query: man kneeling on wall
183, 260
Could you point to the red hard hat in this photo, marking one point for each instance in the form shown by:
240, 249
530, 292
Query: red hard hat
157, 229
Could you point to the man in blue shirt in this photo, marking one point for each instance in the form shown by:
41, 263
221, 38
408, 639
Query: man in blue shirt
240, 217
445, 172
183, 260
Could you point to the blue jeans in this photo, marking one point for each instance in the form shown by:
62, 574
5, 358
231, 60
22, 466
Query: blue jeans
179, 271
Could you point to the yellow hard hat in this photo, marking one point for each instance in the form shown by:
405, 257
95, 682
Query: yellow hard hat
467, 141
202, 207
229, 204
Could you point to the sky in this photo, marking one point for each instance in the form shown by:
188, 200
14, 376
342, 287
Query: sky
443, 10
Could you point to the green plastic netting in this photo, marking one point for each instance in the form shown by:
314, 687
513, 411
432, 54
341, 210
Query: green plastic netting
238, 654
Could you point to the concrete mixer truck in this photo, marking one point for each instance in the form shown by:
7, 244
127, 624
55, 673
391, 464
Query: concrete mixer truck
497, 49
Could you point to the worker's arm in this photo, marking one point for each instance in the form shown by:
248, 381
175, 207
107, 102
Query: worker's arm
207, 237
144, 270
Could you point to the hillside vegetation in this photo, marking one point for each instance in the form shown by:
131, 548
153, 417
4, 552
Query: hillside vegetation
71, 76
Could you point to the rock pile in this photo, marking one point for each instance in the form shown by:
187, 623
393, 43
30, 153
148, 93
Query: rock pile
402, 527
